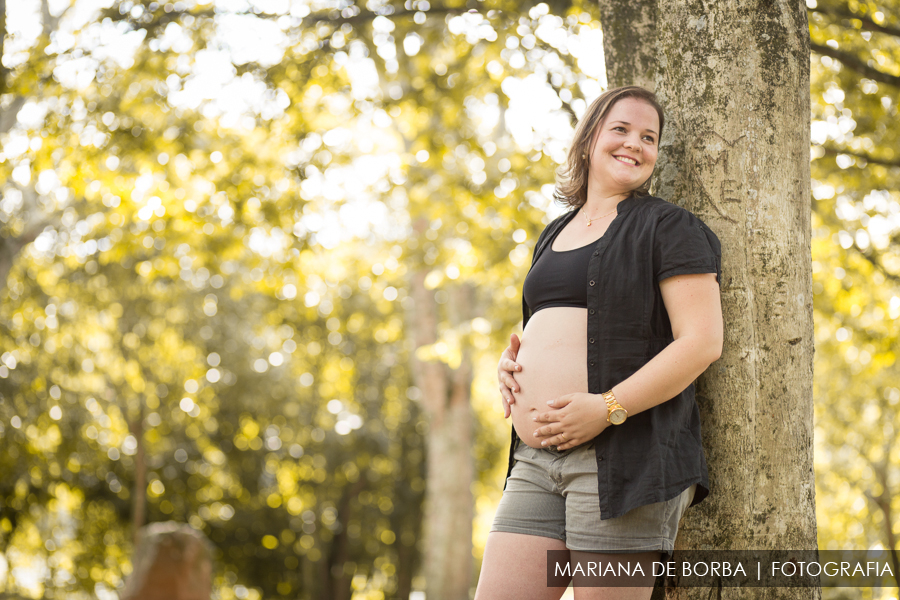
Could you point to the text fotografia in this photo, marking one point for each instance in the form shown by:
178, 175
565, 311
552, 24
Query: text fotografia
730, 568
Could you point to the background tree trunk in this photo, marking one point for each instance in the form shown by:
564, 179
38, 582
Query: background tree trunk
446, 394
172, 561
734, 78
629, 42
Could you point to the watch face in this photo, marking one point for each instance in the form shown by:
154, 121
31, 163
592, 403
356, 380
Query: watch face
617, 417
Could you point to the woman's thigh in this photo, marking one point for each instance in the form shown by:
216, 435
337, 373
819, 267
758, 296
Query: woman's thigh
515, 567
592, 587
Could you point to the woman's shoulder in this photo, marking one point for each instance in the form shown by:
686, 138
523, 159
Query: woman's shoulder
672, 221
663, 210
657, 206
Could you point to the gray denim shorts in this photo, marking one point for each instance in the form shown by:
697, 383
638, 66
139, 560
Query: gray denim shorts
552, 493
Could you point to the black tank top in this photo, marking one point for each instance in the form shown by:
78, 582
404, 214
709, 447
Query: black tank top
558, 279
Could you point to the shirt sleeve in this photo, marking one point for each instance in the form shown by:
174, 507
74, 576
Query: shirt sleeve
684, 245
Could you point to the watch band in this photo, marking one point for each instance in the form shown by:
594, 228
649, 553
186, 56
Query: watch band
615, 412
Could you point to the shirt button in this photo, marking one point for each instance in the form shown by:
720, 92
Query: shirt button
599, 458
592, 282
591, 340
597, 253
591, 311
592, 363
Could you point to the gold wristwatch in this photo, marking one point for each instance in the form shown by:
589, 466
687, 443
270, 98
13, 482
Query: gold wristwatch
616, 413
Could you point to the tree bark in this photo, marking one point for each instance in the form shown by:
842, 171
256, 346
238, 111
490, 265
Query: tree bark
734, 79
629, 42
446, 392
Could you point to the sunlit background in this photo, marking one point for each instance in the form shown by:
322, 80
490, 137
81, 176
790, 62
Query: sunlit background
210, 214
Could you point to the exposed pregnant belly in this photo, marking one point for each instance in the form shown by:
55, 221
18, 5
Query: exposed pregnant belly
553, 356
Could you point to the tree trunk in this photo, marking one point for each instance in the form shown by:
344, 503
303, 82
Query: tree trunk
629, 42
172, 561
446, 391
139, 501
339, 581
734, 79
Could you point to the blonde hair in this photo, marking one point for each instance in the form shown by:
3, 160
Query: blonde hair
572, 177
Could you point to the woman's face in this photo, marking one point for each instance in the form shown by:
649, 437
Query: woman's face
625, 146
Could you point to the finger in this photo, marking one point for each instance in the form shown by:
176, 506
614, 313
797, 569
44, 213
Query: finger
505, 378
509, 365
507, 394
506, 409
514, 344
547, 431
553, 439
510, 382
547, 417
560, 401
558, 440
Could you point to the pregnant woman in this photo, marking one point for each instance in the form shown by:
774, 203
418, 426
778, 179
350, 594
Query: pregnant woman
621, 312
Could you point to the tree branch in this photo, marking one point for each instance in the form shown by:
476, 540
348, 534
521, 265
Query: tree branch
852, 62
332, 17
49, 23
10, 247
867, 23
866, 157
3, 70
363, 17
9, 115
567, 106
869, 255
573, 118
883, 502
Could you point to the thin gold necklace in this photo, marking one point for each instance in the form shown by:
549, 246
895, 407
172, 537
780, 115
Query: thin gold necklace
590, 220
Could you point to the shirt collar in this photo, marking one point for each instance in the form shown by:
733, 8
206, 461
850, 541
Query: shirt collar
627, 204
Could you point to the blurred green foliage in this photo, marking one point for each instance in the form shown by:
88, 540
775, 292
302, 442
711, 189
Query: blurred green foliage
215, 297
855, 172
176, 301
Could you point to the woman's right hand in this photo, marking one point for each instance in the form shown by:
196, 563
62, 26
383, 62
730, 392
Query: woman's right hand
505, 370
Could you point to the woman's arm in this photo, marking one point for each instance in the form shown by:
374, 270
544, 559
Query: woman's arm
695, 312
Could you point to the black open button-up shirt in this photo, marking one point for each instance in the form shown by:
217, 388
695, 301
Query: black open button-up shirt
656, 454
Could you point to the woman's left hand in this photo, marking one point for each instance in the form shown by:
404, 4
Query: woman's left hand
573, 420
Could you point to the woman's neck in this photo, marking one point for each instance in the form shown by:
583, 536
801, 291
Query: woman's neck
598, 204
